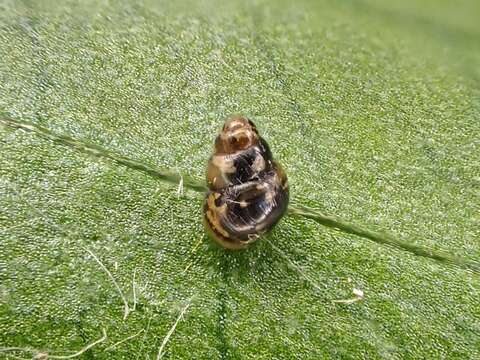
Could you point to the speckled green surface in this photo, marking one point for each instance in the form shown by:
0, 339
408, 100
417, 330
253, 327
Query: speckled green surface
373, 110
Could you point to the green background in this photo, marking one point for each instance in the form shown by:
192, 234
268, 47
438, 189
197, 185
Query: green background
371, 107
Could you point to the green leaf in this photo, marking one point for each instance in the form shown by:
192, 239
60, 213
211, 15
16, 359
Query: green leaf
371, 108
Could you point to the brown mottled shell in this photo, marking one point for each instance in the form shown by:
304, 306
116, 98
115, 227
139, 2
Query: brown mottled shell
248, 190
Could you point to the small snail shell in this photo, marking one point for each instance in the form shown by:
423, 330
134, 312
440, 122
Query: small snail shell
248, 190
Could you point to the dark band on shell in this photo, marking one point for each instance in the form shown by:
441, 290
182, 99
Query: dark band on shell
248, 190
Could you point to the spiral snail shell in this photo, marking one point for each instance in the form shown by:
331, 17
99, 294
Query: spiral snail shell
248, 190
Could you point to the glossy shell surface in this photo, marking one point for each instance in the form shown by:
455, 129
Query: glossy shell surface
248, 190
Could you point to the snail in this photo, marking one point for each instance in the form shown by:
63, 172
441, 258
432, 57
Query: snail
248, 190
